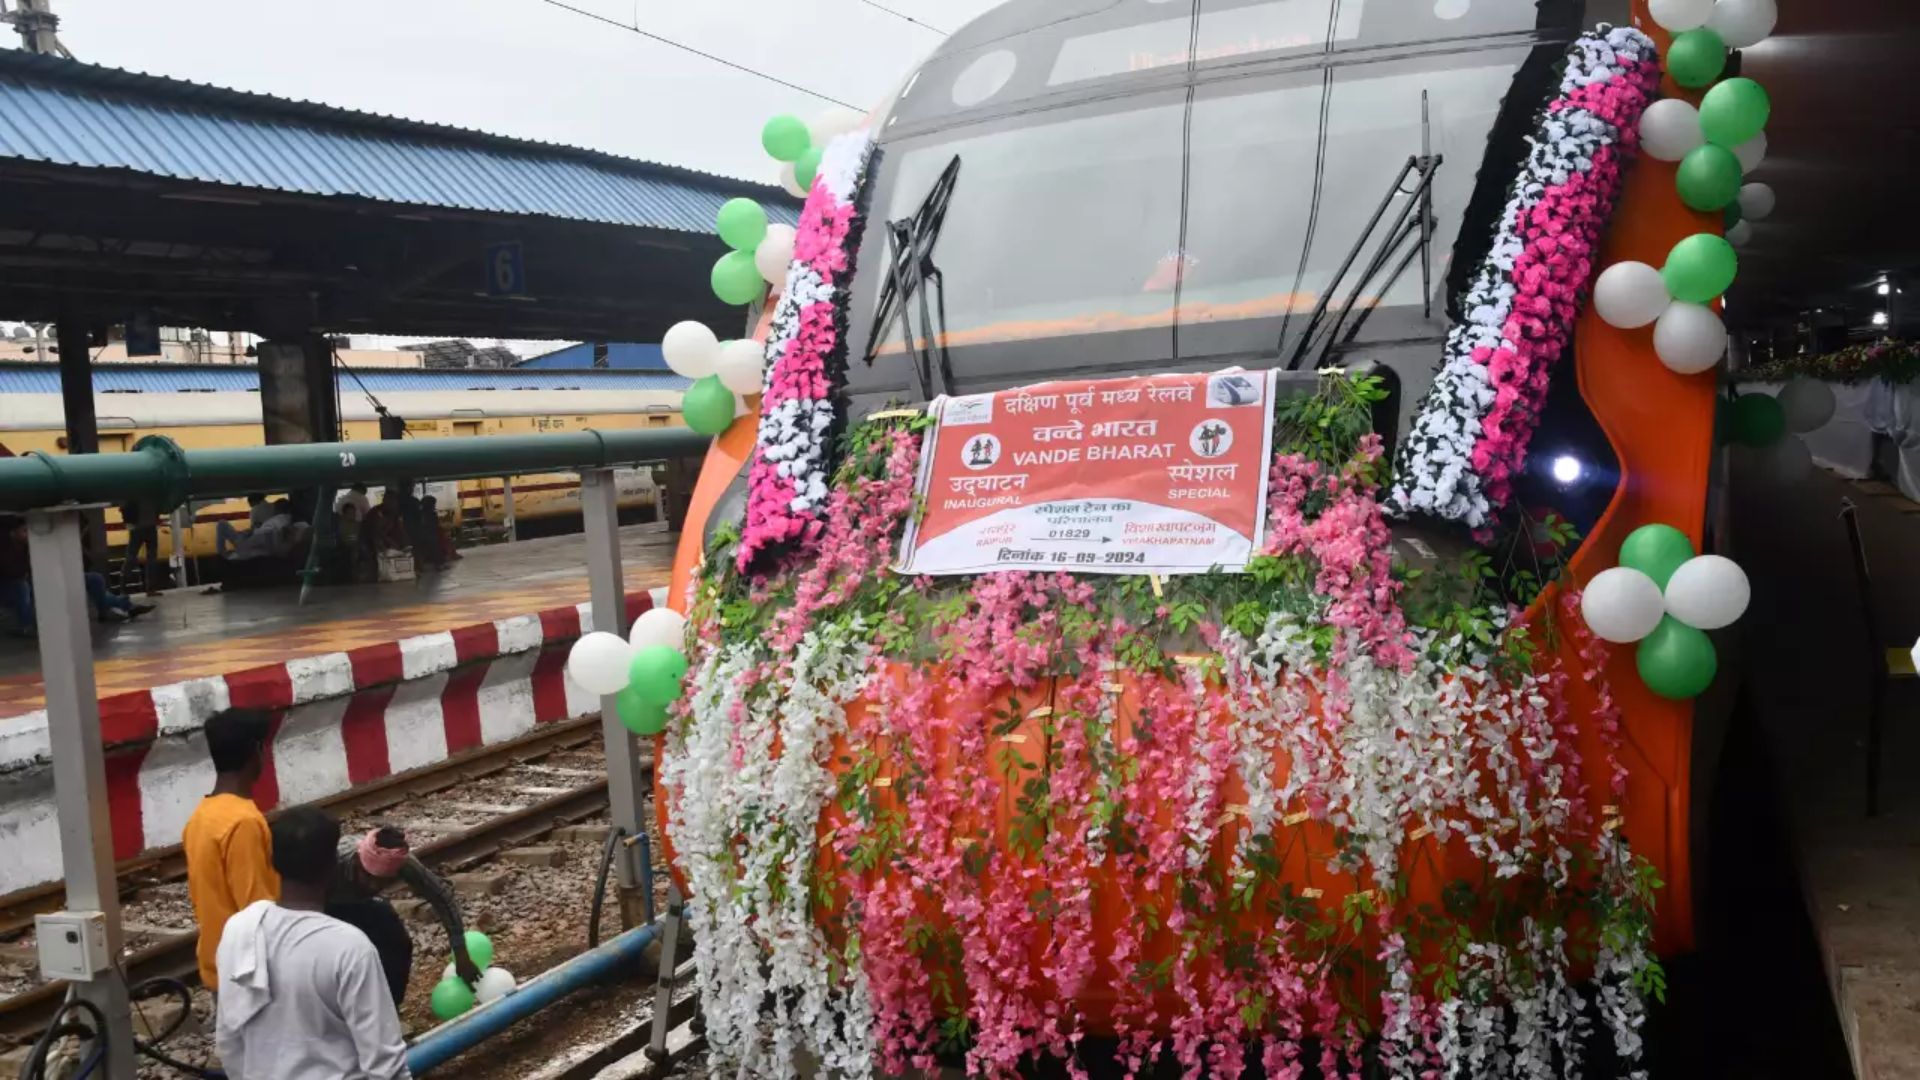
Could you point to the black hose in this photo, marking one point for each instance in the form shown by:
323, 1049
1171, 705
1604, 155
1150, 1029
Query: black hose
35, 1066
150, 1047
615, 834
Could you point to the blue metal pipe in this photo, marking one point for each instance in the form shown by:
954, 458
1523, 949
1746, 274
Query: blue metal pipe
463, 1033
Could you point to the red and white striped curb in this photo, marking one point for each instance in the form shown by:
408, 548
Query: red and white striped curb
343, 719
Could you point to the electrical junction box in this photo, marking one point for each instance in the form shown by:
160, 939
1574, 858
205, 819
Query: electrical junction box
73, 945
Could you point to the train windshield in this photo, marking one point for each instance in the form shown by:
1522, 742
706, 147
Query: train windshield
1178, 185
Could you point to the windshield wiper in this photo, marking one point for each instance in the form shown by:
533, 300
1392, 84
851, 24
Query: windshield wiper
1414, 218
910, 244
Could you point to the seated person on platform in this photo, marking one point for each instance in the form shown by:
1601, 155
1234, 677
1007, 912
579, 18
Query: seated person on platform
384, 528
274, 538
301, 997
226, 842
16, 583
368, 865
259, 511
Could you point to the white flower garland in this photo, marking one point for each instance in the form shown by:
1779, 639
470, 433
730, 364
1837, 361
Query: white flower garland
746, 820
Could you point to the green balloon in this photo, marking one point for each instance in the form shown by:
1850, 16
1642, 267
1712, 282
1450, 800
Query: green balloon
808, 166
1756, 420
1700, 268
641, 717
785, 137
1709, 177
1676, 661
479, 949
1734, 111
451, 997
659, 674
707, 406
1696, 58
742, 224
1656, 551
736, 280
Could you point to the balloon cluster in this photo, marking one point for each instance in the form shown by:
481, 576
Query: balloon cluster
1664, 596
800, 145
761, 252
1688, 335
1772, 425
643, 674
1723, 139
722, 372
452, 996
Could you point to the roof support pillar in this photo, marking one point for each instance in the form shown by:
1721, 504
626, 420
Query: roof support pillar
75, 339
297, 401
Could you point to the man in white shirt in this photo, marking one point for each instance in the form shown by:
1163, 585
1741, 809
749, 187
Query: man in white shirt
302, 996
356, 497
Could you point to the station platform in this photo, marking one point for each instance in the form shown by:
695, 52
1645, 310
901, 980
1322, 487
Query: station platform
366, 681
1809, 674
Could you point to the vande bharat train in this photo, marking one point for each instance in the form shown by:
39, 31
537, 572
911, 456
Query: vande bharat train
1105, 189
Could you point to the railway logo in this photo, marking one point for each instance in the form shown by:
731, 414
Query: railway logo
982, 452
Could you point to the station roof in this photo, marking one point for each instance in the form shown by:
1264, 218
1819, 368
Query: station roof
123, 193
62, 112
621, 356
18, 377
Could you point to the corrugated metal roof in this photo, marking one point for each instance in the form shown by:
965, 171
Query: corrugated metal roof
621, 356
64, 112
30, 378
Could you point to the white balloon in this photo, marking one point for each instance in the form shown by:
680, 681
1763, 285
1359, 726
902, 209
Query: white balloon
1678, 15
599, 662
659, 626
1808, 405
832, 123
1670, 129
739, 365
775, 254
1630, 294
1756, 202
1741, 234
1708, 592
449, 973
1621, 605
790, 180
495, 983
690, 349
1743, 24
1751, 152
1689, 338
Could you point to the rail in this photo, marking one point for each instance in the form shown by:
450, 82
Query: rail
158, 470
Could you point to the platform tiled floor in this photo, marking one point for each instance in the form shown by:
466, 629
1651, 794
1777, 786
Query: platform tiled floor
193, 635
1807, 673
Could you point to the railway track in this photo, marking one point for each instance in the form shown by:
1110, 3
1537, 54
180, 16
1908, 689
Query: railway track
172, 953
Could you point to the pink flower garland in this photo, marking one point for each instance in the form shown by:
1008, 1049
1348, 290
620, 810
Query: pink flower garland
1469, 440
806, 350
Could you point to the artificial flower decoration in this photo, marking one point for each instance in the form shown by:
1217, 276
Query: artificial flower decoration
1470, 437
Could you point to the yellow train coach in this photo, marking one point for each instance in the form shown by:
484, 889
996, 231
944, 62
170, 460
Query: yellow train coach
203, 406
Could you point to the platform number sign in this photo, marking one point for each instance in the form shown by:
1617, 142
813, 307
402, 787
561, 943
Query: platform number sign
506, 270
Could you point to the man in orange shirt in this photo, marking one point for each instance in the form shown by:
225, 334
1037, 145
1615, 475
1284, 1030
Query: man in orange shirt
228, 848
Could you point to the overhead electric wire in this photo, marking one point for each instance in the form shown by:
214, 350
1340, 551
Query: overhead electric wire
904, 16
721, 60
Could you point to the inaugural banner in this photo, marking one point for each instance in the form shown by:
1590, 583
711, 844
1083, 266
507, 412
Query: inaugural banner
1164, 474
